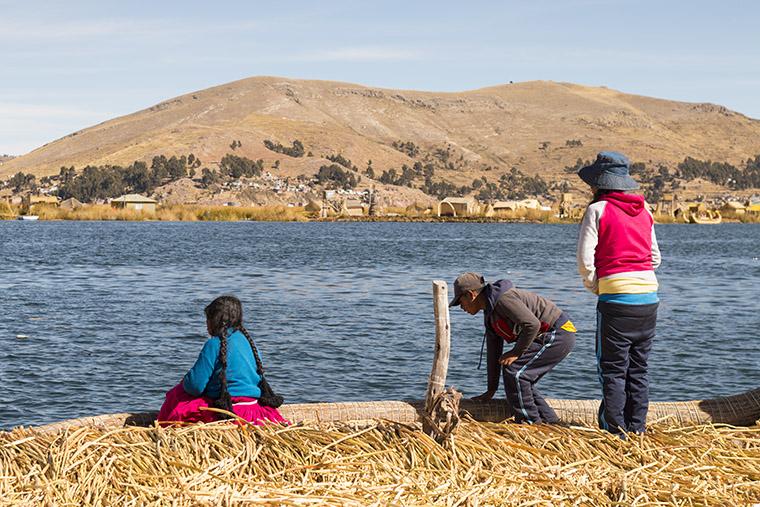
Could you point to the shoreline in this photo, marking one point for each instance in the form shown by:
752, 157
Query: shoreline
378, 219
281, 213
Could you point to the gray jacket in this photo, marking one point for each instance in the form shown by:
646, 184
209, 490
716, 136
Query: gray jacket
515, 316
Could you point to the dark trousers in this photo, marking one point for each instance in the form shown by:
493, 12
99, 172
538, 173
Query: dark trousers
624, 335
521, 376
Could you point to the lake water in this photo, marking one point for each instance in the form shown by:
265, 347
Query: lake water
112, 313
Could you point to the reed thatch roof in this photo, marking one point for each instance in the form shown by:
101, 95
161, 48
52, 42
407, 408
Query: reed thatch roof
136, 198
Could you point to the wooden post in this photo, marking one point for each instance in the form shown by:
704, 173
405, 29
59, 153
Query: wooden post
437, 381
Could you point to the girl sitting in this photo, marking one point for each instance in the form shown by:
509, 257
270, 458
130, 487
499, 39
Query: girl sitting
228, 374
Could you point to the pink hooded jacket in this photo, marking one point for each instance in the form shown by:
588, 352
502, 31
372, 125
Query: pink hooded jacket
617, 247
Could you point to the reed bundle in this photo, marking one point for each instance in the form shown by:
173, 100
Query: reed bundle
380, 463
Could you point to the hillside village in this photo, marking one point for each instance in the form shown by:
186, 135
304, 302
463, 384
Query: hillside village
339, 188
334, 146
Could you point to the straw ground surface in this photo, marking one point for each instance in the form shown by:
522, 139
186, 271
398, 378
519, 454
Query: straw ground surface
380, 463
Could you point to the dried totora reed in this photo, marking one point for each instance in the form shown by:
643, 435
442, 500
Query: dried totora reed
380, 463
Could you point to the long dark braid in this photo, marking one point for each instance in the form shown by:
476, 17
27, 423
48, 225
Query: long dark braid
222, 313
225, 400
267, 398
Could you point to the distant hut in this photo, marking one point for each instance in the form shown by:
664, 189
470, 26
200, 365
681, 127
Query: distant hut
504, 206
529, 204
733, 209
516, 205
313, 206
136, 202
71, 203
44, 200
457, 207
352, 208
667, 205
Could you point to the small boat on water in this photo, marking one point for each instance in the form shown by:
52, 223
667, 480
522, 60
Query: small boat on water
738, 410
28, 217
697, 213
708, 217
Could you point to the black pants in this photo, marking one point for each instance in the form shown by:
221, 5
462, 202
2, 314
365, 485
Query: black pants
521, 376
624, 335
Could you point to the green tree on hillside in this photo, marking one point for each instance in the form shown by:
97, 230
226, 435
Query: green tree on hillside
138, 178
408, 148
66, 174
335, 176
297, 150
21, 181
108, 181
193, 162
208, 177
340, 159
235, 167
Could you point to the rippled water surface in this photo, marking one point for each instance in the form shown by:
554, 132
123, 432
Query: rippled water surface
105, 317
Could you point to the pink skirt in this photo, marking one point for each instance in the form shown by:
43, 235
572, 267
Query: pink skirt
181, 407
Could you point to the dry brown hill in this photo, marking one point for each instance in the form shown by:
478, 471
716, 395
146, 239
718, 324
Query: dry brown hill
539, 127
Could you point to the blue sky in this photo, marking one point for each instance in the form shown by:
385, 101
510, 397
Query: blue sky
68, 65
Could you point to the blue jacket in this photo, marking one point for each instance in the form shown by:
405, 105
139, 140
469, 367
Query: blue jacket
242, 378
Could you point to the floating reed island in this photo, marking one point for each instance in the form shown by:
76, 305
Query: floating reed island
431, 452
380, 463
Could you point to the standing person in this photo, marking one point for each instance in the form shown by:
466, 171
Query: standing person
541, 334
617, 255
228, 374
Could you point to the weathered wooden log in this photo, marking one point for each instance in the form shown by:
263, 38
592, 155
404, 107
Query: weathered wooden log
437, 379
738, 410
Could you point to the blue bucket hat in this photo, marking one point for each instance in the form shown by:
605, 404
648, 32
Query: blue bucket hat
609, 172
